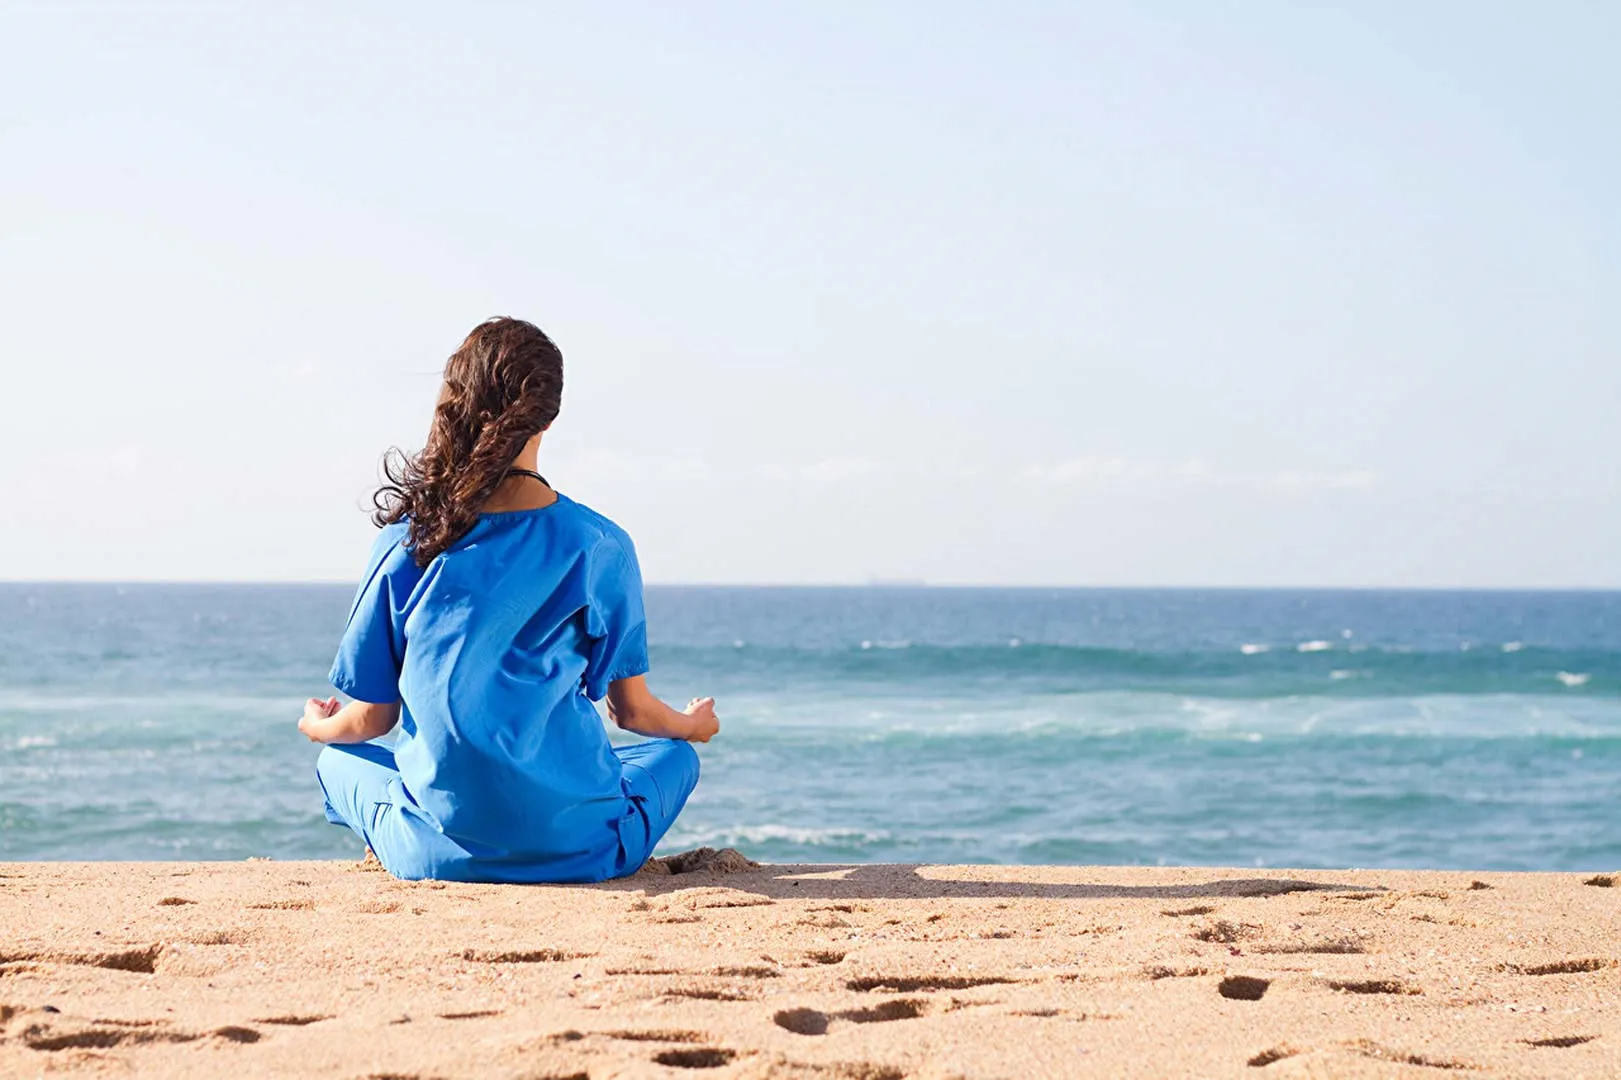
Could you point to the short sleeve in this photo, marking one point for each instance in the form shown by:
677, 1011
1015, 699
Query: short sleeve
615, 621
367, 667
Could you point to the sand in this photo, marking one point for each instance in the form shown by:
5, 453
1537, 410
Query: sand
867, 973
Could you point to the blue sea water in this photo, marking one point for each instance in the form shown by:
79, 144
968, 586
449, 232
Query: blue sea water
1275, 728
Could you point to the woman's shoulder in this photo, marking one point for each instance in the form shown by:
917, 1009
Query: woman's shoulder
597, 530
389, 549
390, 538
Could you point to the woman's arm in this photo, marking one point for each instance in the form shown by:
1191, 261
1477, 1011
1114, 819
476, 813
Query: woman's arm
633, 707
356, 722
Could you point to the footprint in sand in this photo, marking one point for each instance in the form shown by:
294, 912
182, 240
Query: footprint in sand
1268, 1057
899, 1009
1162, 971
802, 1021
866, 1071
1560, 1042
1329, 947
746, 971
98, 1038
709, 993
697, 1057
525, 956
1370, 1049
899, 984
1375, 986
60, 1033
142, 961
174, 901
815, 1022
1561, 967
292, 1020
1243, 988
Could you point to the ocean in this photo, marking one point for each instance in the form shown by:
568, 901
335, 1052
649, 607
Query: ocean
1466, 730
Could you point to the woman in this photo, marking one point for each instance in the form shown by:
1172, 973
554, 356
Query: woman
493, 612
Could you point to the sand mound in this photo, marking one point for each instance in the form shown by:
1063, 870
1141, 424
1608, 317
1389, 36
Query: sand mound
706, 860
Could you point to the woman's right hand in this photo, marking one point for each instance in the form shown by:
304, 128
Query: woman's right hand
705, 725
313, 724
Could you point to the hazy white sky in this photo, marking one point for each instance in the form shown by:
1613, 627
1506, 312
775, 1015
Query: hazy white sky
1198, 293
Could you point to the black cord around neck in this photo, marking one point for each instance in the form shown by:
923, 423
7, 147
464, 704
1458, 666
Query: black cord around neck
532, 474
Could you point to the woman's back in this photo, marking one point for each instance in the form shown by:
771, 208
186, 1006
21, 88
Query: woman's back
498, 643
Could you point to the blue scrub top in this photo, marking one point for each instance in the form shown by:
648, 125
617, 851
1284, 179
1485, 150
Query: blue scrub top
496, 650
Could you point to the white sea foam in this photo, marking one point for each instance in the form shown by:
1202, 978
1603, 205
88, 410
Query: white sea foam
1339, 674
1573, 679
1513, 646
168, 703
1249, 649
1314, 646
762, 834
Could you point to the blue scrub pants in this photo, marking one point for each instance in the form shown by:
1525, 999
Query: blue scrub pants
356, 778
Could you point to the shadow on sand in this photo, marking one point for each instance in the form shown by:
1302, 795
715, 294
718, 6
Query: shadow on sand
901, 882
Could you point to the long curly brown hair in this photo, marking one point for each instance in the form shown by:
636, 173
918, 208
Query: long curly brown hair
502, 386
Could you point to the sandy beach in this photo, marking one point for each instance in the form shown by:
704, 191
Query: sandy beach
866, 972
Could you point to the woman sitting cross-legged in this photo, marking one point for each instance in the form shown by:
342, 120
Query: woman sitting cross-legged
493, 612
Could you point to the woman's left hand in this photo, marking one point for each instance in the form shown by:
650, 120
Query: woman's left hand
316, 713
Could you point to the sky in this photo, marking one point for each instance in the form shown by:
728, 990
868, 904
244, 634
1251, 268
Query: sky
1228, 294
